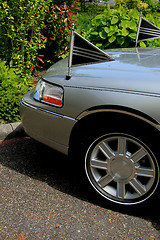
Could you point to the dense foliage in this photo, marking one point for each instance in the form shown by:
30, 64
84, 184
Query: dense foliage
28, 26
62, 2
12, 88
145, 6
20, 25
116, 28
57, 33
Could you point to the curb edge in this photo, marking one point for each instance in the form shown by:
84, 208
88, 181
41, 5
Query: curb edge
11, 130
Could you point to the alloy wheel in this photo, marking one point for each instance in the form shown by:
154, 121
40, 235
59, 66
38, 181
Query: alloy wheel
121, 168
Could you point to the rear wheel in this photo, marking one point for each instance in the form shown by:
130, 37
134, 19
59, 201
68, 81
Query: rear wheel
122, 168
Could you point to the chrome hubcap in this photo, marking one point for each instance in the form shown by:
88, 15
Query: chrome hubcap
121, 168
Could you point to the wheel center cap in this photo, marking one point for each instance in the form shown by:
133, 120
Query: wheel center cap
121, 168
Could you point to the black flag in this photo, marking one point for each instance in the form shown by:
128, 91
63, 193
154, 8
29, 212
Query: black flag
83, 52
147, 30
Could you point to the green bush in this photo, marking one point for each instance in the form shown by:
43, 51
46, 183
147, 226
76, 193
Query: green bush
84, 23
21, 22
118, 28
145, 6
12, 88
62, 2
153, 5
57, 29
29, 28
133, 4
114, 28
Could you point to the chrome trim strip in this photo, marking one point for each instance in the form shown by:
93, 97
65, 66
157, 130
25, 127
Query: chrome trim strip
88, 112
28, 105
45, 110
115, 90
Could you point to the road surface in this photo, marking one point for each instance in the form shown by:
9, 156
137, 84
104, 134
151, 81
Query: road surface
41, 198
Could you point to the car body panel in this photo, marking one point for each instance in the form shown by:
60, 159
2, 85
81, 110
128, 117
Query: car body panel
130, 83
130, 71
92, 98
47, 127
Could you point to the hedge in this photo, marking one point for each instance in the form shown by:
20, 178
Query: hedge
30, 29
12, 88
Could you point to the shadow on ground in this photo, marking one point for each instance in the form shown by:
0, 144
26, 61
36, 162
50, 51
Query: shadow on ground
37, 161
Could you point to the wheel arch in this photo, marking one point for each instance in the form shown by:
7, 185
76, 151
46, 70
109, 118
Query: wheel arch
99, 115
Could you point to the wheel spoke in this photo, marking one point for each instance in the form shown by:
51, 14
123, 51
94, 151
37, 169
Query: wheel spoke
138, 155
104, 181
121, 190
144, 172
122, 146
138, 187
106, 150
98, 164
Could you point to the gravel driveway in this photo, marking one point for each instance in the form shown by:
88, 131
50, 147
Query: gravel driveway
41, 198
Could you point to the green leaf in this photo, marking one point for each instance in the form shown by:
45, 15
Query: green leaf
112, 39
133, 26
114, 20
100, 16
125, 24
103, 22
120, 40
112, 30
134, 14
110, 34
107, 11
125, 32
94, 33
132, 35
106, 29
103, 35
99, 45
142, 44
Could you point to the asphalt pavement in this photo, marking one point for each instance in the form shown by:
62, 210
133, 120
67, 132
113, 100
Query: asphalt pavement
43, 196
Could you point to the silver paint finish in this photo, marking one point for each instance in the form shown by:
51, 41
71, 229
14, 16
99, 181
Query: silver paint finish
47, 127
132, 82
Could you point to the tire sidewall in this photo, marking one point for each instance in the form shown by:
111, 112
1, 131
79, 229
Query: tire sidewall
148, 146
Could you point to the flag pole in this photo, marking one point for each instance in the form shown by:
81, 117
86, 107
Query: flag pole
68, 76
139, 24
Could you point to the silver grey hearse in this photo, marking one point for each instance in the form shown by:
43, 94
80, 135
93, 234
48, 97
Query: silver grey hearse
106, 114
